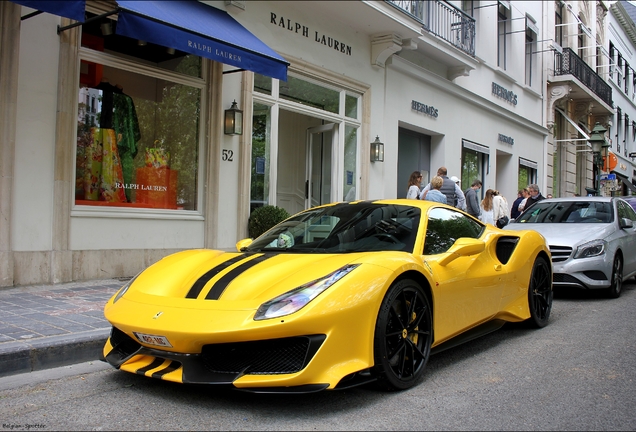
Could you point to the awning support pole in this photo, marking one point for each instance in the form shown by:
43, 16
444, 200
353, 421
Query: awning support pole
95, 18
31, 15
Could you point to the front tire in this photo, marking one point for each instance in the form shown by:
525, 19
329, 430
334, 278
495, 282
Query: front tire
616, 287
403, 336
540, 293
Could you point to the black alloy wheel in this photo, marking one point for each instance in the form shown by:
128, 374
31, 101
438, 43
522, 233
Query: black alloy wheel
540, 293
403, 336
614, 291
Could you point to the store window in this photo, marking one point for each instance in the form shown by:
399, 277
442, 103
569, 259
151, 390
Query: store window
261, 125
527, 173
474, 163
139, 144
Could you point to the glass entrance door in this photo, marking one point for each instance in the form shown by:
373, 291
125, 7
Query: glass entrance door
321, 142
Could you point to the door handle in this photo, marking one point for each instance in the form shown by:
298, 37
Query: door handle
306, 189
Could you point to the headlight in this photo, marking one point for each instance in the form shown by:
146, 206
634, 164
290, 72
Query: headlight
590, 249
297, 298
123, 289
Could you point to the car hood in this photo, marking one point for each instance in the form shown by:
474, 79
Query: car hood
565, 234
237, 280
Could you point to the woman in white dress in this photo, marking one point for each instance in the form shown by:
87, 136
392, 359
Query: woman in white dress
487, 212
413, 191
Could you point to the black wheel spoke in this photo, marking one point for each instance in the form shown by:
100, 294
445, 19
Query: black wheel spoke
395, 354
396, 315
417, 350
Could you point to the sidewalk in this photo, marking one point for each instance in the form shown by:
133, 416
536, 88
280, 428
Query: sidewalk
46, 326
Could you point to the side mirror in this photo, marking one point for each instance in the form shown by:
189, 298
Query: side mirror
626, 223
462, 247
243, 244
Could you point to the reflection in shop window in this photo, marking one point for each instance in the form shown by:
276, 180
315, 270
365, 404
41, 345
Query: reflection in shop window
139, 147
350, 163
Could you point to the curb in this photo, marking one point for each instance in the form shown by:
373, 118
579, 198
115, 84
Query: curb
50, 352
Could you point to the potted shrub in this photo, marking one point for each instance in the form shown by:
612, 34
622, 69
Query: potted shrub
265, 217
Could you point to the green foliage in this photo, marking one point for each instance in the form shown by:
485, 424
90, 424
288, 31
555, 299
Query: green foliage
263, 218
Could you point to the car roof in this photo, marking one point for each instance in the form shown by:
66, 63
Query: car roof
580, 198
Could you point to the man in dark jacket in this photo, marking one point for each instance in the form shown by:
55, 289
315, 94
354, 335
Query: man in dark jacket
514, 211
472, 200
535, 195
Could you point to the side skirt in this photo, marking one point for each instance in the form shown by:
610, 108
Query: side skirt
474, 333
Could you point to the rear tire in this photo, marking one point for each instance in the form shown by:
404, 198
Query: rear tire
403, 336
540, 293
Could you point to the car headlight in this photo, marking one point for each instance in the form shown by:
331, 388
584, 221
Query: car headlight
296, 299
123, 289
591, 249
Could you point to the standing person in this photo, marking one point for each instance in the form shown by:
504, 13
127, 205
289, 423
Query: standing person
500, 214
434, 194
524, 201
456, 203
514, 211
413, 191
449, 188
472, 200
486, 207
535, 195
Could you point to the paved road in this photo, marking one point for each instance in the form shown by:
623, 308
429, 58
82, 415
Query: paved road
579, 373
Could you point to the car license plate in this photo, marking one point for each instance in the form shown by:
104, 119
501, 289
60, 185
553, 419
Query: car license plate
152, 339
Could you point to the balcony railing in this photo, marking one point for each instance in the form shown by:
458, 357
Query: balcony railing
569, 63
443, 20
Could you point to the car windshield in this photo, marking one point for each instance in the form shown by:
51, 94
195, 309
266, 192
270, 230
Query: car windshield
568, 212
343, 228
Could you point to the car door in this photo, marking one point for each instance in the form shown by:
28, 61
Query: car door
468, 290
628, 239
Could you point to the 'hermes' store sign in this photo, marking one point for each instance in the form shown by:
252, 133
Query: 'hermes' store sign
424, 109
503, 93
316, 36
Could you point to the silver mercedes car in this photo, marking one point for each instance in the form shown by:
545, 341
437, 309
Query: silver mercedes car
592, 240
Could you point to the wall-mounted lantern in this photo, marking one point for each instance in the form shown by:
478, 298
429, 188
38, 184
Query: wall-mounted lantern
377, 150
599, 144
233, 120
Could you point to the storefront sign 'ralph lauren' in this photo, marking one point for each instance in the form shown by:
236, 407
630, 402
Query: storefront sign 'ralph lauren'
218, 52
303, 30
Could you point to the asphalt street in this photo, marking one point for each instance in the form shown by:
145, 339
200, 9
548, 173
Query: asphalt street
578, 373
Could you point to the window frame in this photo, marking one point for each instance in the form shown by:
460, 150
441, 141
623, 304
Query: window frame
132, 66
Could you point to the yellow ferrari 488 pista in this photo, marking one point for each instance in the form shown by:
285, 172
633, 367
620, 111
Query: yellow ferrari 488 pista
333, 297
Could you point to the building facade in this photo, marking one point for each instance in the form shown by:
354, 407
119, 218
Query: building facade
622, 49
114, 148
578, 95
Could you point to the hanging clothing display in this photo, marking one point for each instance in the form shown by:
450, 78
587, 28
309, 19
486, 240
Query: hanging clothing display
126, 126
103, 175
112, 147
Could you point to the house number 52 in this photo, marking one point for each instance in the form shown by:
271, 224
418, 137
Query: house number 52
228, 155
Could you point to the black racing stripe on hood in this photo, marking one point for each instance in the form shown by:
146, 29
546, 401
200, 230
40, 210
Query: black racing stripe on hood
200, 283
173, 366
219, 287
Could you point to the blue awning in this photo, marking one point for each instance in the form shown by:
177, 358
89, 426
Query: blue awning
199, 29
73, 9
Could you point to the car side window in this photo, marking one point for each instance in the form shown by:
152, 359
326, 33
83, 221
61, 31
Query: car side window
444, 226
626, 211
